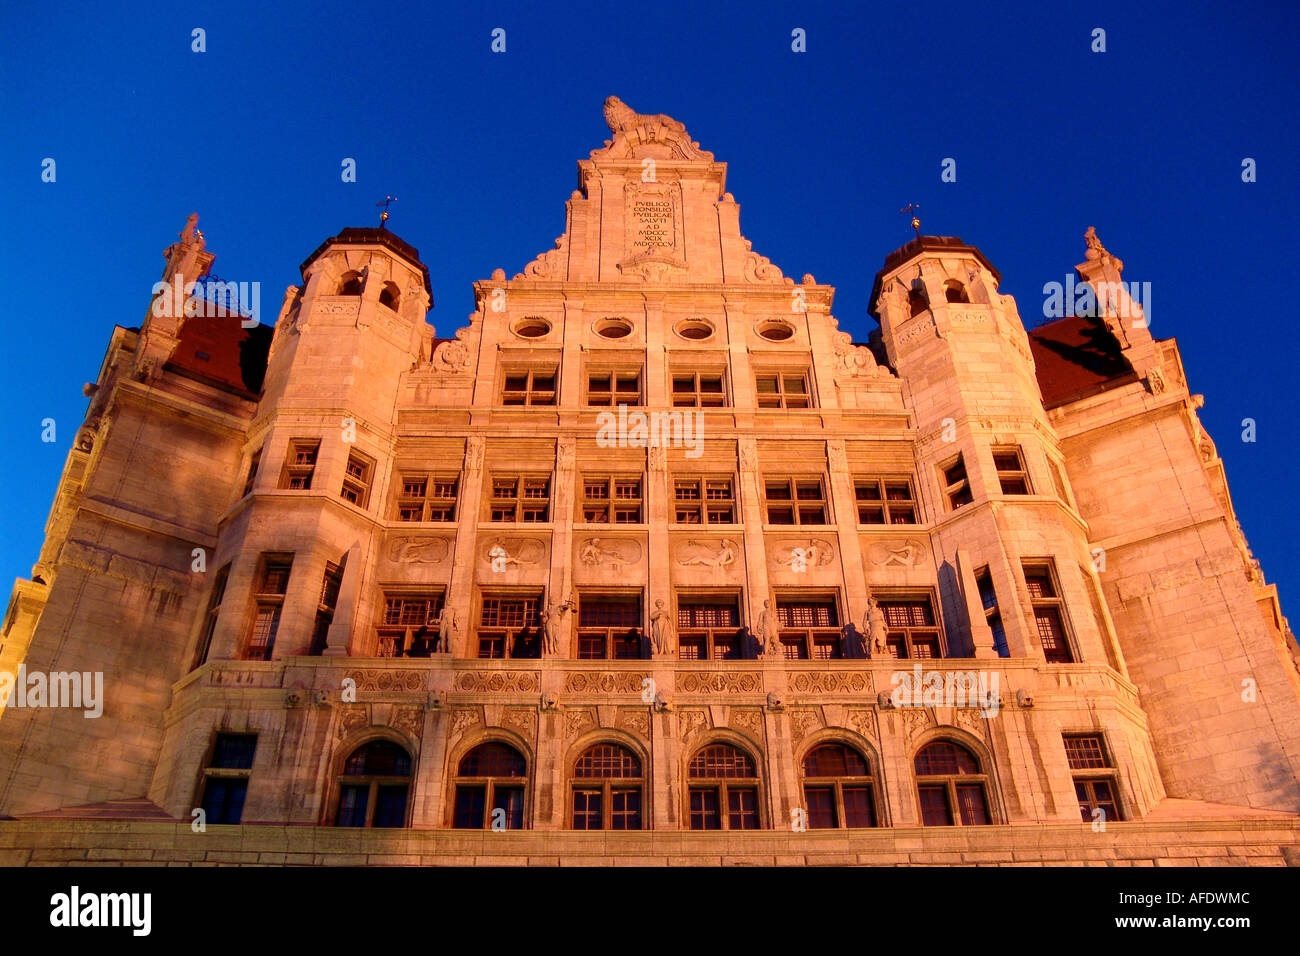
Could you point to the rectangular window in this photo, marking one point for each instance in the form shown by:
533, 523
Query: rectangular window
613, 388
509, 626
912, 629
611, 499
409, 624
704, 500
530, 387
427, 497
989, 600
1010, 465
225, 781
519, 498
956, 484
253, 462
1048, 610
782, 390
211, 615
708, 628
356, 480
269, 589
699, 390
329, 597
795, 501
704, 809
885, 501
609, 626
300, 464
809, 628
1094, 780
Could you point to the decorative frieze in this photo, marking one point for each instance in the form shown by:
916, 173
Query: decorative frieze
498, 682
697, 682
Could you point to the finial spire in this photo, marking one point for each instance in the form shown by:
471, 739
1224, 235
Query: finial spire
911, 209
383, 216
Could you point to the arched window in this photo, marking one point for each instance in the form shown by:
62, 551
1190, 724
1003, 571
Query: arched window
723, 788
490, 788
607, 788
837, 788
350, 284
916, 301
954, 291
374, 786
948, 777
390, 296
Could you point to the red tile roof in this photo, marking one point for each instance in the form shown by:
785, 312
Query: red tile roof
220, 351
1075, 357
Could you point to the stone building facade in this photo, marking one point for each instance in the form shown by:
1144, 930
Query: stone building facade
649, 545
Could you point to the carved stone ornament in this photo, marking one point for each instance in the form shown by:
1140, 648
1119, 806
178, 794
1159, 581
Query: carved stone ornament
503, 553
691, 722
463, 718
748, 720
902, 553
503, 682
802, 554
414, 549
707, 554
852, 361
612, 553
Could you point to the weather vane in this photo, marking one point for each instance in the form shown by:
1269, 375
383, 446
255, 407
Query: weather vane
383, 216
910, 210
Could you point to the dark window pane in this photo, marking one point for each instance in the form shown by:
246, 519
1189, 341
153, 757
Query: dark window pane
379, 758
390, 807
934, 807
586, 810
492, 760
945, 757
742, 808
352, 805
704, 809
721, 761
607, 760
970, 798
511, 801
835, 760
859, 809
820, 802
223, 800
470, 803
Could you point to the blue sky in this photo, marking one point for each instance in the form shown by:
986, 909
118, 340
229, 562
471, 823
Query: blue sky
1144, 141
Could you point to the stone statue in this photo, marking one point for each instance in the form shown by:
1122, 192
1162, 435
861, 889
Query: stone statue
661, 629
619, 117
552, 619
769, 629
874, 627
447, 631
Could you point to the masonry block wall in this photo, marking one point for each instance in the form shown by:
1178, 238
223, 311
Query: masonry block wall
459, 553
